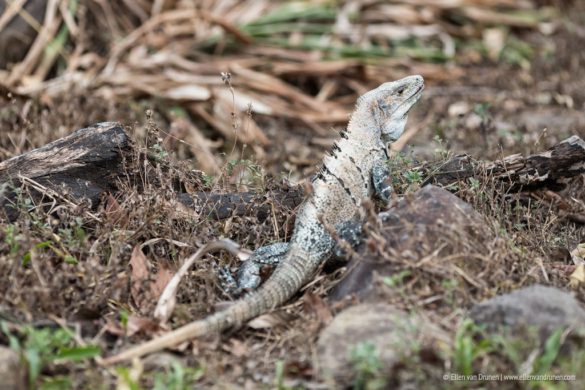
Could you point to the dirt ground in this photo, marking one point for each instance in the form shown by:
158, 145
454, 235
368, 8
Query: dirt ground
507, 89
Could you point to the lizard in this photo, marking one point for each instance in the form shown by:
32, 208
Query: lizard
354, 171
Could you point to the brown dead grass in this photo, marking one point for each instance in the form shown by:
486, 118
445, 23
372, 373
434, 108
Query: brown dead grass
124, 58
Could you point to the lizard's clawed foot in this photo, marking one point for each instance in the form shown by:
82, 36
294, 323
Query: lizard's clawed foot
249, 274
387, 217
227, 282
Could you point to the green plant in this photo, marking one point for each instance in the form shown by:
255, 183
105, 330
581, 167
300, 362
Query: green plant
208, 180
525, 355
517, 52
367, 366
28, 255
466, 348
158, 152
279, 375
475, 184
41, 347
124, 317
552, 347
413, 176
177, 377
59, 382
128, 378
441, 149
396, 279
450, 286
482, 110
252, 174
11, 239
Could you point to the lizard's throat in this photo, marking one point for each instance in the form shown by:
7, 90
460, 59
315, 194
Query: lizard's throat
364, 130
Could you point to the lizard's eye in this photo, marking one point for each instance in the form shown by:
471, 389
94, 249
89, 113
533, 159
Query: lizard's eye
400, 90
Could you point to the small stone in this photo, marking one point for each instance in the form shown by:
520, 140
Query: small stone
415, 228
393, 335
458, 109
543, 308
473, 122
13, 373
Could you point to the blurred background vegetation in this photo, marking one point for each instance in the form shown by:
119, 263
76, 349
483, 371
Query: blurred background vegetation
221, 72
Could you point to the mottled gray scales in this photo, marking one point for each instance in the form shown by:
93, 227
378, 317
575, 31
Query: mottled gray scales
358, 158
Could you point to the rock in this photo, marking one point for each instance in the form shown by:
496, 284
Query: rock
13, 372
432, 219
544, 308
393, 336
559, 121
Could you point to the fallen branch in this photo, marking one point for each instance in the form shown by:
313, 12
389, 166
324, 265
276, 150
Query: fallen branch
83, 164
222, 206
564, 160
89, 162
166, 302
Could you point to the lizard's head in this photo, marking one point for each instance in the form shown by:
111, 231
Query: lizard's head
390, 104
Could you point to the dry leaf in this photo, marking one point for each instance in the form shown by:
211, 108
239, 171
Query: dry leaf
114, 328
266, 321
494, 40
163, 276
188, 92
459, 108
139, 276
578, 254
167, 299
243, 102
114, 212
141, 324
577, 277
135, 325
315, 304
237, 348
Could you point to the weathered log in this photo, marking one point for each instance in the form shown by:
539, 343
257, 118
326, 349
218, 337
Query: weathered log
89, 161
565, 159
222, 206
83, 164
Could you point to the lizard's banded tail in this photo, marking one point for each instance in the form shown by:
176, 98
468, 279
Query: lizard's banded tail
291, 274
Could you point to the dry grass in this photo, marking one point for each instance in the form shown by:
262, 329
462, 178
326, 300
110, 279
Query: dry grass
301, 62
224, 84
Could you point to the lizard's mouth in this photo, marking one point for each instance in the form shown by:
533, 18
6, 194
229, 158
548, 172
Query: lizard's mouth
409, 102
415, 95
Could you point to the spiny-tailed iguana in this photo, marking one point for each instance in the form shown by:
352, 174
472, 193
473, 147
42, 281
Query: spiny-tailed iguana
355, 170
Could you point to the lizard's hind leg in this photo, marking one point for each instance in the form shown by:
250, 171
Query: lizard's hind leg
248, 276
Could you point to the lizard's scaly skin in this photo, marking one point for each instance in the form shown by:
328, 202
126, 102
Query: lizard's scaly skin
348, 176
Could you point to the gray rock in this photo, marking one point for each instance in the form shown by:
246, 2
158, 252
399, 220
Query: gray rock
431, 219
13, 373
394, 335
543, 308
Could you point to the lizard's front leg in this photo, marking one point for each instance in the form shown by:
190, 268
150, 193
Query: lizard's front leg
381, 180
248, 276
352, 233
